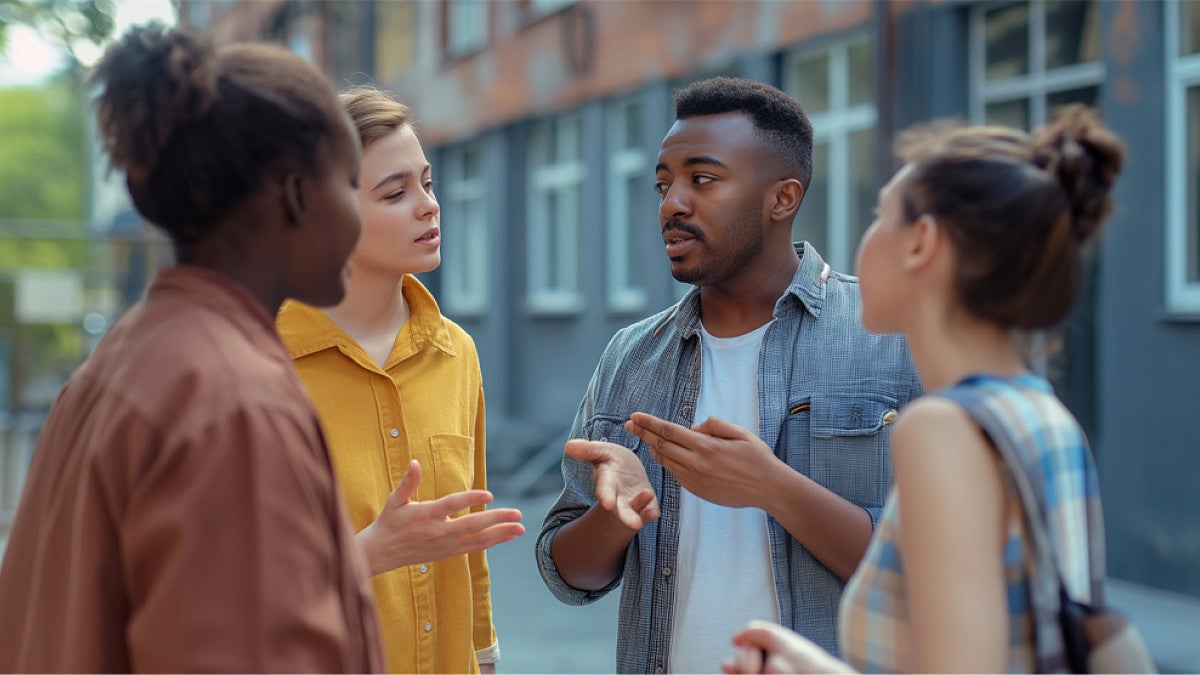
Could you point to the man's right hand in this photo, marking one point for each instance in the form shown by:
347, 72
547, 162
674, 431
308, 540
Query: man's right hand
622, 488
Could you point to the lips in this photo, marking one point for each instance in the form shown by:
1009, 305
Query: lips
679, 238
678, 243
431, 239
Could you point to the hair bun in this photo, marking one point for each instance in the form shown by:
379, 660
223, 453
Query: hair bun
154, 80
1086, 158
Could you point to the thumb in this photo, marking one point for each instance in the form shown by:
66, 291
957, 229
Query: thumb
584, 450
715, 426
409, 483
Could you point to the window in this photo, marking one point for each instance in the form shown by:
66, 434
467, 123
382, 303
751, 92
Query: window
1183, 159
539, 8
1026, 59
628, 169
556, 183
1031, 57
837, 89
463, 198
466, 26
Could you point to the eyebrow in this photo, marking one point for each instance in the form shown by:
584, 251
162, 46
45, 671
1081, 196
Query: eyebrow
398, 176
693, 161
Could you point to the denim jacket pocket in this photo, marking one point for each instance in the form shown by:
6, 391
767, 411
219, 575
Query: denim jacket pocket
610, 429
849, 440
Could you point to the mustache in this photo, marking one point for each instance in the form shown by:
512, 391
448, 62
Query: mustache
682, 227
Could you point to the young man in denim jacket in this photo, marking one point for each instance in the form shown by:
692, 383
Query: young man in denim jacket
706, 524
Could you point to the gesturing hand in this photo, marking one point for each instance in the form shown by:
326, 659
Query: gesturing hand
622, 488
765, 647
408, 532
714, 460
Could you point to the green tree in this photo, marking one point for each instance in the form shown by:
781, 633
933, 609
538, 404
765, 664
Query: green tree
69, 22
42, 152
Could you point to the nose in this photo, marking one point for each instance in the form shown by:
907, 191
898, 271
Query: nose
428, 207
674, 204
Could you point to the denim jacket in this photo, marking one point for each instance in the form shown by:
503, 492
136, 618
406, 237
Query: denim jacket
828, 392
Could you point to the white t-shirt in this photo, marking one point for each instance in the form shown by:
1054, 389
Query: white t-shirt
724, 560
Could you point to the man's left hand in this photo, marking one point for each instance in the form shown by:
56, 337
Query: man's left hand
715, 460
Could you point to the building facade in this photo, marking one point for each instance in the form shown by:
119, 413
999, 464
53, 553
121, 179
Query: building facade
542, 119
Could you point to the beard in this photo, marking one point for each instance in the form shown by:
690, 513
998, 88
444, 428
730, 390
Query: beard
733, 252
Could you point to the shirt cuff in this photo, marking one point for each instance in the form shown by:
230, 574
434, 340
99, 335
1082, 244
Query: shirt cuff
489, 655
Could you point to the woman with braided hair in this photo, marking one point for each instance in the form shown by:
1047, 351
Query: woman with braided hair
976, 238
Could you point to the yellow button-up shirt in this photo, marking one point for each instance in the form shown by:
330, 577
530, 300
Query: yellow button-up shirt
425, 403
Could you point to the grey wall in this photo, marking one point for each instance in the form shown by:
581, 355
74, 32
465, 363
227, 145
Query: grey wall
1148, 394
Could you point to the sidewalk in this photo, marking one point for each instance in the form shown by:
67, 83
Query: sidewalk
1169, 622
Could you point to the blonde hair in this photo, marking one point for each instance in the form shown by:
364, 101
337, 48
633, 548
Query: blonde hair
375, 112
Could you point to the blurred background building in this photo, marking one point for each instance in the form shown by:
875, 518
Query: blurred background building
542, 119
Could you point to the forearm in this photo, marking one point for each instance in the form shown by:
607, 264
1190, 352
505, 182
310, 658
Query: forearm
833, 529
590, 550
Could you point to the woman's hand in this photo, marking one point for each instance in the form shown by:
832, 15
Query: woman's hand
408, 532
765, 647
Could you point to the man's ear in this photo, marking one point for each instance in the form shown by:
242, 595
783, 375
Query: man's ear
293, 197
924, 241
787, 195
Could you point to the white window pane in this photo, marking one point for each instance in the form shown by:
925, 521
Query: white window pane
1006, 42
1008, 113
862, 184
812, 222
1189, 26
1072, 32
861, 56
1088, 96
1192, 187
811, 83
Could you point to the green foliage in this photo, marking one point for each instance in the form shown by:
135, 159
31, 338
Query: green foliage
68, 22
42, 152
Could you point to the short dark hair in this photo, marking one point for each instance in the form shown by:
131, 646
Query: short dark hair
197, 128
779, 119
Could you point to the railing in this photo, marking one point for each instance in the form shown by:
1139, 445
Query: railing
18, 434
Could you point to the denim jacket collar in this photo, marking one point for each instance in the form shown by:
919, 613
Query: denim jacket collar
807, 287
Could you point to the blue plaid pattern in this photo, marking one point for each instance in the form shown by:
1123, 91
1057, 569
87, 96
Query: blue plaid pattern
874, 616
826, 387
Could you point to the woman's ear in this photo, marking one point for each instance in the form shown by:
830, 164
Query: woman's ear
925, 240
787, 195
293, 197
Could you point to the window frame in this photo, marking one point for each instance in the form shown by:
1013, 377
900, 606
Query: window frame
457, 192
833, 128
1037, 86
1182, 297
621, 294
453, 31
565, 178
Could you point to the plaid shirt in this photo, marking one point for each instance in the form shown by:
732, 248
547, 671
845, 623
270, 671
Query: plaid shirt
828, 391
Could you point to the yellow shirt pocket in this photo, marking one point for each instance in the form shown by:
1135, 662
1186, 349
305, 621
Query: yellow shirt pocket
454, 463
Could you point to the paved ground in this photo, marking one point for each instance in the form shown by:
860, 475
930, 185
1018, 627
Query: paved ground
539, 634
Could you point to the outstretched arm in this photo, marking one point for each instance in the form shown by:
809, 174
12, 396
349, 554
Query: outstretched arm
731, 466
408, 532
590, 550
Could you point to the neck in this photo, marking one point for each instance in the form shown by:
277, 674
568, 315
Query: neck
231, 257
947, 350
374, 305
747, 301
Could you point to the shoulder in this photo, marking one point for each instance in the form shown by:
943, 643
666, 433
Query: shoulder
936, 441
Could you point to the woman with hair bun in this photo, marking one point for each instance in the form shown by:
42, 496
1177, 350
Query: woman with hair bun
180, 513
976, 237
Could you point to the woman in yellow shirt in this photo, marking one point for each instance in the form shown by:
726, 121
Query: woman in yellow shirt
399, 393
